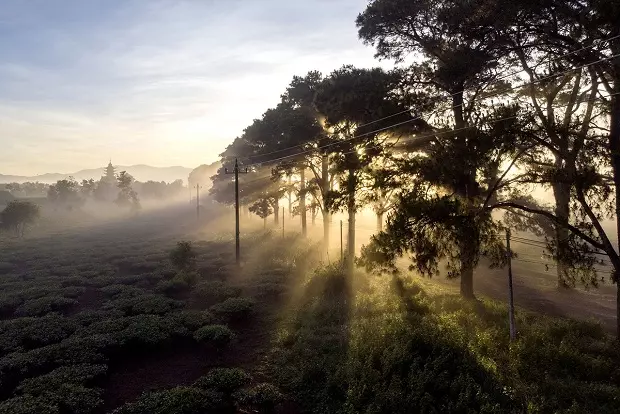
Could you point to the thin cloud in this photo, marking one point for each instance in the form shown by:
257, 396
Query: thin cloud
159, 82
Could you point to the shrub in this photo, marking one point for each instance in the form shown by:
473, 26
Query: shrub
118, 290
145, 304
74, 374
262, 397
225, 380
183, 256
171, 287
148, 330
214, 291
234, 309
46, 304
28, 333
28, 404
180, 400
219, 335
191, 319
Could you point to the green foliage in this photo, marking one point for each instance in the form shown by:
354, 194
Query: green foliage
127, 196
191, 319
27, 404
218, 335
29, 333
183, 256
214, 291
144, 304
17, 215
224, 380
234, 309
72, 374
262, 397
45, 304
180, 400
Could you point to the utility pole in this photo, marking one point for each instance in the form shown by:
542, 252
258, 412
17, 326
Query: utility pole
341, 248
282, 221
237, 242
511, 309
198, 187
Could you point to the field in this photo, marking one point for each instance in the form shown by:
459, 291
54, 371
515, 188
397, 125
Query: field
100, 319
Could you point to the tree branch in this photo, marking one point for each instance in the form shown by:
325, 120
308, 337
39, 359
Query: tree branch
508, 205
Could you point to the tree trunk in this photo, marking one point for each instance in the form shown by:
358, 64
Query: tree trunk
302, 201
467, 281
313, 213
290, 196
324, 190
276, 213
379, 222
350, 258
467, 252
614, 147
561, 191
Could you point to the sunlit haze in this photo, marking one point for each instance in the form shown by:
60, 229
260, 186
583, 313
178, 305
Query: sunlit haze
154, 82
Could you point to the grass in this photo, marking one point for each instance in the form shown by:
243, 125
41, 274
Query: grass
387, 346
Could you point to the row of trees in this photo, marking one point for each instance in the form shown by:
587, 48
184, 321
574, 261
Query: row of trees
70, 194
504, 98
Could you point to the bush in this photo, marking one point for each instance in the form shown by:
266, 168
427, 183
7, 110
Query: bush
145, 304
191, 319
180, 400
28, 404
219, 335
29, 333
234, 309
214, 291
74, 374
262, 397
225, 380
183, 257
46, 304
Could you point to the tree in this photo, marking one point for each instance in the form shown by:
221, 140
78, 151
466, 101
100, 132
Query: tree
18, 215
127, 197
432, 222
459, 67
183, 256
360, 107
65, 193
88, 188
262, 208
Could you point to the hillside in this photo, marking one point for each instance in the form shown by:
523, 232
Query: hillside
140, 173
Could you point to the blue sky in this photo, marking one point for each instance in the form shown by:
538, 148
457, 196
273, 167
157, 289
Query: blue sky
160, 82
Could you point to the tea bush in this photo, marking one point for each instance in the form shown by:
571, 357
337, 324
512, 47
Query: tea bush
233, 309
218, 335
225, 380
180, 400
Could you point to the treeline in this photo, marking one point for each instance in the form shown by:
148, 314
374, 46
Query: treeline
502, 99
148, 190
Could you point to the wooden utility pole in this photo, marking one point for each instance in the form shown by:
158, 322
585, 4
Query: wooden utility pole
511, 304
198, 187
237, 233
282, 221
341, 247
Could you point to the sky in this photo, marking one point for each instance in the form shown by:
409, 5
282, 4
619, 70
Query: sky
158, 82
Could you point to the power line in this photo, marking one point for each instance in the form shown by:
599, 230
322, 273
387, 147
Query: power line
501, 77
512, 88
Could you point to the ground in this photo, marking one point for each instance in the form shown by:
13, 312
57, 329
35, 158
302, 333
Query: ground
104, 302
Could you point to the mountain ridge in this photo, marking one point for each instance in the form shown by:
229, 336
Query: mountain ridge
140, 172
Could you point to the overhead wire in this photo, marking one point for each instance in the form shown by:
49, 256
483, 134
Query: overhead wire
416, 118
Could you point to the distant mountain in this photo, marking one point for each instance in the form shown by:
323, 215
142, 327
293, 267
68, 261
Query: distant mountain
139, 172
